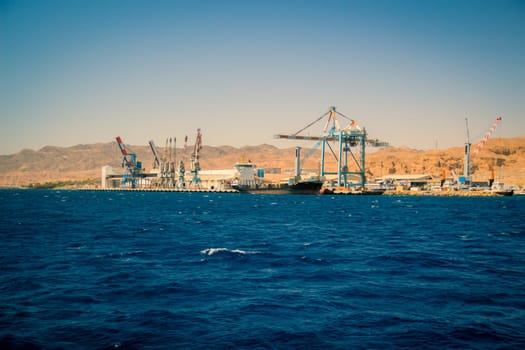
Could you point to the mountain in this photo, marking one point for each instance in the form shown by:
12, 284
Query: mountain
81, 162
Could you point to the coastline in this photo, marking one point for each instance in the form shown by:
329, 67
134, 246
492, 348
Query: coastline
391, 193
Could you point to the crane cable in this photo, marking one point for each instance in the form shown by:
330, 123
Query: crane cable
312, 123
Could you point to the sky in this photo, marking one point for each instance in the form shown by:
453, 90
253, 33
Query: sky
410, 72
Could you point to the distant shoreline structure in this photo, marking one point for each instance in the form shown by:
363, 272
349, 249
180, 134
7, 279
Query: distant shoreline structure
80, 166
388, 193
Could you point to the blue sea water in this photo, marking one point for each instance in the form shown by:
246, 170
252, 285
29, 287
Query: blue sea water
140, 270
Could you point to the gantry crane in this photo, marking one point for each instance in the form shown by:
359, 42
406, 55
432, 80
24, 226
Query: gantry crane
350, 142
129, 161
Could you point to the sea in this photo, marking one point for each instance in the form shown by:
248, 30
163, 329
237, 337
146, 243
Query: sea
156, 270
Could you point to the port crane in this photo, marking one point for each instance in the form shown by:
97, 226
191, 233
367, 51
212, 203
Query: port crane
467, 166
129, 161
195, 166
165, 164
345, 145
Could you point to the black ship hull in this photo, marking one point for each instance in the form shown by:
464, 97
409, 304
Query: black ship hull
302, 187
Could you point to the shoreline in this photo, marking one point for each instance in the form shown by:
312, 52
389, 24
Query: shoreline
391, 193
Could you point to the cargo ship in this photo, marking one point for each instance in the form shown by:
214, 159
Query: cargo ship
246, 181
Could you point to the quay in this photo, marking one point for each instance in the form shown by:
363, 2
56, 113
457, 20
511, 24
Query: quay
200, 190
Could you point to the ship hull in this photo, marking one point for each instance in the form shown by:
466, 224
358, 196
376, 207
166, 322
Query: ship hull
372, 192
504, 192
263, 189
281, 188
306, 187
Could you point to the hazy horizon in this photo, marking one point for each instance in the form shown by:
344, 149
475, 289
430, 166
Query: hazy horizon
82, 72
290, 144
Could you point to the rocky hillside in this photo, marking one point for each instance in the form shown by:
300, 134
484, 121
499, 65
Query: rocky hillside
505, 156
81, 162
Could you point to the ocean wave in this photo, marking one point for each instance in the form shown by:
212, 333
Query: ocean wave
213, 251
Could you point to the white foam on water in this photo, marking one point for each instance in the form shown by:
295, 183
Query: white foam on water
212, 251
238, 251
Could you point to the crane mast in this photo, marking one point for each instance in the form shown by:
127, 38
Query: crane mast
195, 167
166, 164
467, 170
466, 164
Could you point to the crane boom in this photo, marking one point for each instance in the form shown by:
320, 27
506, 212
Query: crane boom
480, 145
125, 153
352, 128
371, 142
133, 167
197, 147
155, 153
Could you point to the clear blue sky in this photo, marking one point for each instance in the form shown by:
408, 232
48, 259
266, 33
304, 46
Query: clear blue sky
85, 71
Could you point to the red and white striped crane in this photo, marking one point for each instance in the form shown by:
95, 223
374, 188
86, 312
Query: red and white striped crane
480, 145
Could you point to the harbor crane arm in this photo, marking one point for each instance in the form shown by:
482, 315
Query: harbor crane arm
155, 153
480, 145
125, 154
377, 143
297, 137
198, 144
332, 115
195, 168
132, 168
196, 149
312, 123
370, 142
